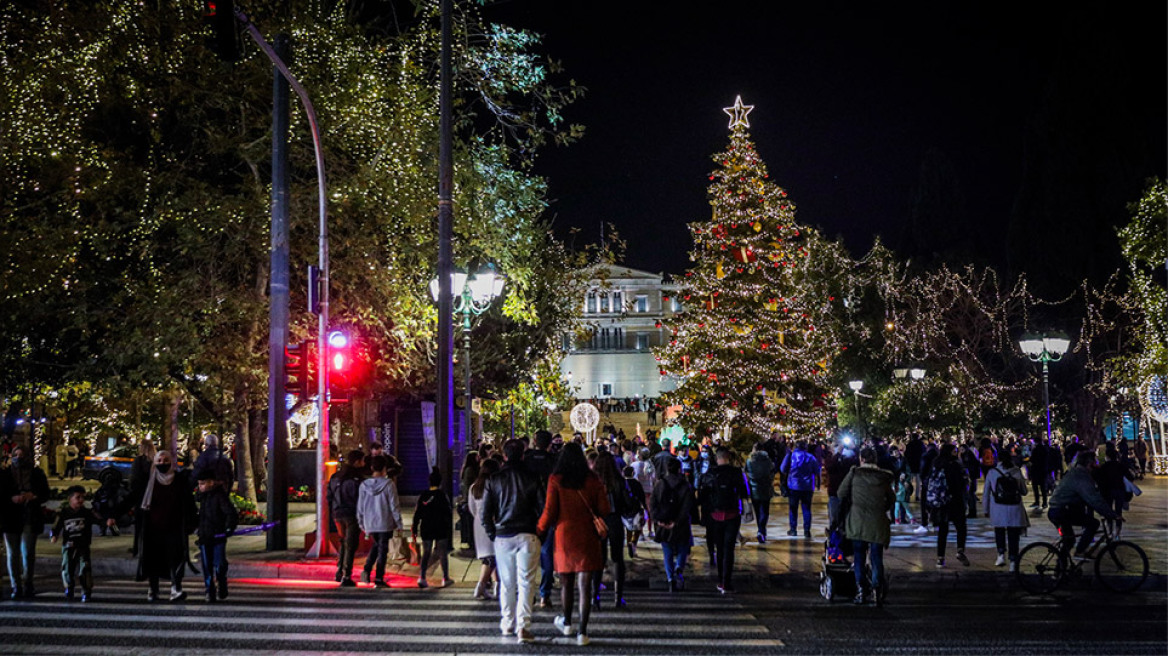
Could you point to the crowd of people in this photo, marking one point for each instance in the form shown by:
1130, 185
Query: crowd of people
541, 510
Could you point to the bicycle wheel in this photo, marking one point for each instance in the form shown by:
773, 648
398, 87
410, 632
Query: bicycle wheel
1122, 566
1040, 570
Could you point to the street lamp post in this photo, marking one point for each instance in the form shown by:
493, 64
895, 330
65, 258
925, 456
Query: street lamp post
474, 295
856, 386
1045, 349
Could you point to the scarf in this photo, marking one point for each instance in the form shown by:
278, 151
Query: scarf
161, 479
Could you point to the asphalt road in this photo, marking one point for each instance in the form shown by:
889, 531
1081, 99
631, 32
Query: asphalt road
291, 617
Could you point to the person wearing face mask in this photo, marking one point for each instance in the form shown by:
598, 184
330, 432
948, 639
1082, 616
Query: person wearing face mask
168, 515
23, 488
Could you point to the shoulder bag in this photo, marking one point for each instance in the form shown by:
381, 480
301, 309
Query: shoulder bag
598, 523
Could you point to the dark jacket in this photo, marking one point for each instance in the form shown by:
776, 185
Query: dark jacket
74, 527
912, 454
217, 516
514, 502
1077, 489
344, 490
214, 460
672, 502
541, 463
869, 491
15, 516
434, 515
722, 490
760, 471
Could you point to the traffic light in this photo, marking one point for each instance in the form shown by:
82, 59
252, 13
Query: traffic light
219, 15
340, 361
299, 370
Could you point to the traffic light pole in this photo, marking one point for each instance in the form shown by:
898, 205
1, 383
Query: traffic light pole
277, 493
445, 397
321, 547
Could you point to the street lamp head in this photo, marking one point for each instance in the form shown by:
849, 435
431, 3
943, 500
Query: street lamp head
856, 385
486, 286
1056, 344
900, 372
1031, 345
916, 373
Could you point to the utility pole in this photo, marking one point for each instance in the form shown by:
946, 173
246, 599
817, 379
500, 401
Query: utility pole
445, 397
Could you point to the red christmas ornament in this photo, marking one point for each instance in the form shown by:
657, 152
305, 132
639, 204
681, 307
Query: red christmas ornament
658, 324
745, 255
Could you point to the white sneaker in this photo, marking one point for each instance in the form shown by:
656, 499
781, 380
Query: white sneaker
582, 640
1000, 561
507, 630
1013, 566
921, 529
562, 625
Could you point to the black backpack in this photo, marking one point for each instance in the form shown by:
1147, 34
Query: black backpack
1007, 491
632, 505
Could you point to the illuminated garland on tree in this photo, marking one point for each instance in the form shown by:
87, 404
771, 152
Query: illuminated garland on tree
752, 347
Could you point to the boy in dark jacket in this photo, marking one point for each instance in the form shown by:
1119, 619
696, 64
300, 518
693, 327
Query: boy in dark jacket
217, 520
74, 528
435, 518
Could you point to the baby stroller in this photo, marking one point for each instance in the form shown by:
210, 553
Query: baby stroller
837, 579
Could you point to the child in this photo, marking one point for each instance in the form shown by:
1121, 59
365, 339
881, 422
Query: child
435, 518
106, 499
903, 494
378, 515
217, 520
634, 523
74, 527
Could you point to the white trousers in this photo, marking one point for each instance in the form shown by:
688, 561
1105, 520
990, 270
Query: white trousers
517, 558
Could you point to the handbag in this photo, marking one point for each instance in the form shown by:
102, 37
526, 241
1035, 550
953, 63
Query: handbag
598, 523
747, 514
399, 549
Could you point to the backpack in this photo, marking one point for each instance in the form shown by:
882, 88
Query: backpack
1006, 490
632, 505
937, 493
668, 504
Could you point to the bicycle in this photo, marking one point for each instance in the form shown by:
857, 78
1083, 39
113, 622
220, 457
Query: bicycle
1120, 565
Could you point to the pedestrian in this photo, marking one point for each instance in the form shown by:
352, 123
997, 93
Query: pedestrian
143, 463
912, 461
723, 491
471, 468
23, 490
344, 491
867, 492
433, 520
512, 505
760, 474
541, 461
837, 466
670, 505
903, 492
166, 502
218, 518
1073, 500
972, 464
802, 471
620, 501
379, 515
947, 483
928, 457
575, 499
1141, 452
214, 460
106, 500
634, 518
1002, 501
1111, 477
73, 464
643, 471
74, 529
1038, 466
484, 546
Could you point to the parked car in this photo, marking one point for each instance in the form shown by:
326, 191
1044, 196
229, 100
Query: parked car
118, 461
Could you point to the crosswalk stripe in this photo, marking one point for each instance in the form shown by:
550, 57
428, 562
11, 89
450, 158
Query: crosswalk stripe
162, 634
214, 610
378, 624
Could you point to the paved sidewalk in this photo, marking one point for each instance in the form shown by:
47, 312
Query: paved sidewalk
783, 562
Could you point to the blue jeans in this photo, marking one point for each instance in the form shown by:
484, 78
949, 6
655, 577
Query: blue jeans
21, 547
874, 553
674, 558
762, 514
547, 564
800, 498
213, 558
378, 552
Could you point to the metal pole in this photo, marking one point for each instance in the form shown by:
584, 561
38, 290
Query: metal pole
321, 548
1046, 393
467, 431
445, 221
277, 494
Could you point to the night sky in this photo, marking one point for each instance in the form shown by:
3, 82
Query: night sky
954, 133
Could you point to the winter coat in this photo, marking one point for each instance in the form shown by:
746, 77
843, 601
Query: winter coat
802, 470
678, 513
760, 471
1077, 489
15, 516
217, 515
378, 509
1007, 516
577, 547
344, 489
434, 515
869, 489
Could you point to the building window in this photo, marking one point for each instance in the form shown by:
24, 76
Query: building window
591, 309
604, 302
677, 307
567, 342
605, 389
618, 302
642, 341
642, 303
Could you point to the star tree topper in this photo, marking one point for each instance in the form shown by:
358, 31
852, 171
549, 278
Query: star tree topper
738, 113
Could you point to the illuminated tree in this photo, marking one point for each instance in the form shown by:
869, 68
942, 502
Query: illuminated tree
754, 343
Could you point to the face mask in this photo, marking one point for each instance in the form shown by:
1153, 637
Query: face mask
163, 468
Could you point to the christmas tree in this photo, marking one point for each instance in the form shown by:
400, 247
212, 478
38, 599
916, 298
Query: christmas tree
751, 347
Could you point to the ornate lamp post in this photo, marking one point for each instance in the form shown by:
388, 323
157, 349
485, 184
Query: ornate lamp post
472, 295
1045, 349
856, 386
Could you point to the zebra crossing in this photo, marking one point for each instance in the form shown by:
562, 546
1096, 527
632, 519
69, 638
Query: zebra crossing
288, 617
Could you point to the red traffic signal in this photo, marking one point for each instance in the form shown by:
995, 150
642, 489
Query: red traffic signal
219, 15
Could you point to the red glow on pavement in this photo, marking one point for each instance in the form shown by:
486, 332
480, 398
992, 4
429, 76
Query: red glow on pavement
394, 581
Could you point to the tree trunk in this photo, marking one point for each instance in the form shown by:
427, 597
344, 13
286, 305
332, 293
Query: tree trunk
245, 485
259, 441
174, 399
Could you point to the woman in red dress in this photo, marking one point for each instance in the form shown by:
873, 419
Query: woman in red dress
574, 496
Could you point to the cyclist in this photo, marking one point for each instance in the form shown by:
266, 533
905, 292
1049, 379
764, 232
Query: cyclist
1071, 501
